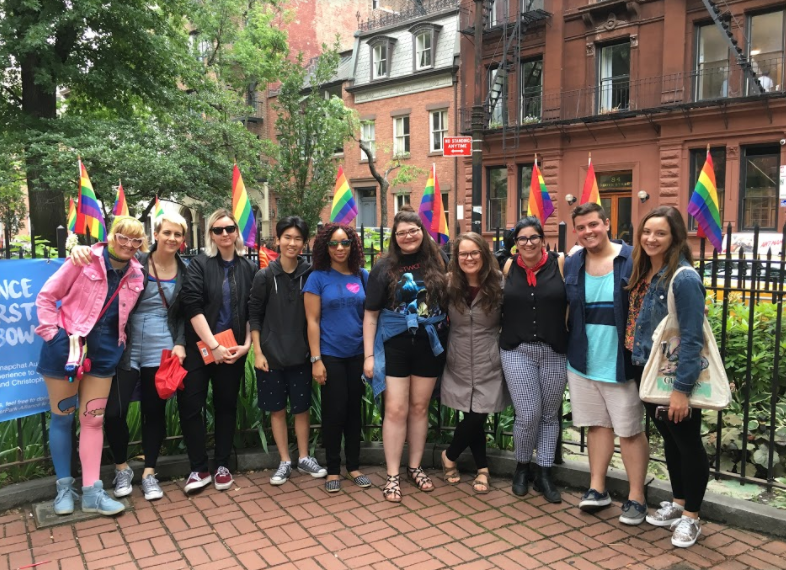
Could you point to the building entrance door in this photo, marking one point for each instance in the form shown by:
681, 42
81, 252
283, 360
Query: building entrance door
367, 214
618, 206
615, 197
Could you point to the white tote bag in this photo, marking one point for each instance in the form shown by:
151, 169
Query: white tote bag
711, 391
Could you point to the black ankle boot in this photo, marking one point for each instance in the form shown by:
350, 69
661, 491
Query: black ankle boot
521, 479
543, 484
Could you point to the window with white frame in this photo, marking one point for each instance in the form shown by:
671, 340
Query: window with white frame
401, 201
401, 136
438, 128
380, 63
368, 136
423, 51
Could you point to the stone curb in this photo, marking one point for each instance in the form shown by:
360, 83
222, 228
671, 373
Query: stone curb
741, 514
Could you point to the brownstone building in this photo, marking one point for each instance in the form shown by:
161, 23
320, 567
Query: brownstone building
642, 92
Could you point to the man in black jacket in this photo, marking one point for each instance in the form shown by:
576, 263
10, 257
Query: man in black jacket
281, 357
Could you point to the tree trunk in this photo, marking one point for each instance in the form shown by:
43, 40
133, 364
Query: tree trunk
383, 203
47, 205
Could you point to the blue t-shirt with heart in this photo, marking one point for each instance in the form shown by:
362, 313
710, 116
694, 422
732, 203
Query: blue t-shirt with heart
341, 319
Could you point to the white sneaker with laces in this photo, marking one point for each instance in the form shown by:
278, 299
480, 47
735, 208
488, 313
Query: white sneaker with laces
666, 515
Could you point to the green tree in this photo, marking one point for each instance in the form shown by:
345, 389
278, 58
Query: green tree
406, 174
12, 200
310, 128
140, 104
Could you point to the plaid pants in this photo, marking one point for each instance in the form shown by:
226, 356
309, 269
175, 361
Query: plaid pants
536, 377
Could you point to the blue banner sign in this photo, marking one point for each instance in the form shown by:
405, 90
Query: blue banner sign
22, 389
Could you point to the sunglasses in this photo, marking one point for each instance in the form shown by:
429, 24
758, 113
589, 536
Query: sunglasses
342, 243
125, 240
228, 229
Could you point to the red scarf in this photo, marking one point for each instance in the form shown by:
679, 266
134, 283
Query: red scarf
531, 279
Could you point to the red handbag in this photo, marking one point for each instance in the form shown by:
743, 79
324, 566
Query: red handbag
170, 375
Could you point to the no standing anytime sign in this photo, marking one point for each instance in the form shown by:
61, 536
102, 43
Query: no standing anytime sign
457, 146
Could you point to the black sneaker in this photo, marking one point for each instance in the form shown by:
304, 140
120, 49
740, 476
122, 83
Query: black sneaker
592, 501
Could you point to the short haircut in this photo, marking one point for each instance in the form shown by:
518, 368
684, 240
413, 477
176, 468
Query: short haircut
292, 222
130, 227
588, 208
172, 218
528, 222
211, 249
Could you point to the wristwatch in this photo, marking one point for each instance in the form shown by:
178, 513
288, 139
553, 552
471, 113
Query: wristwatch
314, 359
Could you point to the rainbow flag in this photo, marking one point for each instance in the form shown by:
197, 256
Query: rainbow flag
71, 215
431, 210
344, 209
704, 204
158, 210
539, 204
121, 206
241, 209
590, 191
89, 207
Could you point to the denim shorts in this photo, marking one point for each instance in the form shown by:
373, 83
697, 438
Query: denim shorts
102, 350
273, 388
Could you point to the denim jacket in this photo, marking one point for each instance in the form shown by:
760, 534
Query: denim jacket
391, 324
577, 332
689, 295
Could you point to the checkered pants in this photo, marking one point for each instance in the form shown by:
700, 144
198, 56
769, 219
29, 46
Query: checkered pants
536, 377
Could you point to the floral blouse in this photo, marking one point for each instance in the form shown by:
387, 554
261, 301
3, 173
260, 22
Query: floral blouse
634, 306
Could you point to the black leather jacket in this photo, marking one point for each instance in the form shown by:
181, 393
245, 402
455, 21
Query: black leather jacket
202, 295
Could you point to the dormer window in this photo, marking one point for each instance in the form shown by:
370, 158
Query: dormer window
381, 56
425, 45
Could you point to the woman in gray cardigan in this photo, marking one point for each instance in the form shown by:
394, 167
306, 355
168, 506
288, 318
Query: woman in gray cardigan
473, 381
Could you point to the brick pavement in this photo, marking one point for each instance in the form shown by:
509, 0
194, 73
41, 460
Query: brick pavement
299, 526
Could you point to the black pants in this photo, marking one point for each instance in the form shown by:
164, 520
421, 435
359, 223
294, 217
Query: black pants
686, 458
470, 432
153, 414
225, 379
341, 397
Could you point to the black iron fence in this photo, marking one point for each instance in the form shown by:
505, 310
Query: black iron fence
747, 442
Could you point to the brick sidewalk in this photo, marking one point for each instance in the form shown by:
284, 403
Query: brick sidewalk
299, 526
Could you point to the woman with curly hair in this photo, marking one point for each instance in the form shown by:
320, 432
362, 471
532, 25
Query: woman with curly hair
473, 381
334, 296
404, 332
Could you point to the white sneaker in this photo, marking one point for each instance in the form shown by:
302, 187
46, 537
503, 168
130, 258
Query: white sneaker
686, 532
122, 482
666, 515
151, 488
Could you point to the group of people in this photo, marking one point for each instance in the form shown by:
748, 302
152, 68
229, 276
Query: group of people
490, 335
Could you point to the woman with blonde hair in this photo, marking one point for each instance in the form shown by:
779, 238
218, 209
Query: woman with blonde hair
472, 381
155, 324
215, 300
95, 304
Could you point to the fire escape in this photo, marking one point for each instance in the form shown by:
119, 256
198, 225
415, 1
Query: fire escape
504, 31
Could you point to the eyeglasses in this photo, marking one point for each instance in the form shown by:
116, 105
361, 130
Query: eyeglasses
228, 229
408, 233
523, 240
342, 243
125, 240
469, 254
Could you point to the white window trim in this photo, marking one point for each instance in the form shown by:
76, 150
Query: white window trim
371, 142
396, 206
443, 113
423, 36
401, 152
376, 59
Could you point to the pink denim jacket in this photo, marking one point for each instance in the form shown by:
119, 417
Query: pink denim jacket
82, 292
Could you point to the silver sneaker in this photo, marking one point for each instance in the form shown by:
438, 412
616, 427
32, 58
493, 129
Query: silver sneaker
686, 532
122, 482
151, 488
282, 474
309, 466
666, 515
